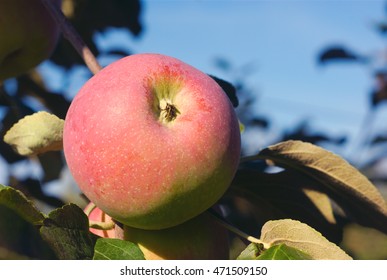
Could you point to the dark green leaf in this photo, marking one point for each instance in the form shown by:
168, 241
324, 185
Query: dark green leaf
344, 183
116, 249
67, 231
283, 252
18, 202
251, 252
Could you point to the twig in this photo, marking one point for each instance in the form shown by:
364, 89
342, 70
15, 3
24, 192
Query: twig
73, 37
220, 220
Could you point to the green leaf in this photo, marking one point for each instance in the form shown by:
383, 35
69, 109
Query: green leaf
301, 237
18, 202
116, 249
35, 134
344, 183
283, 252
251, 252
67, 231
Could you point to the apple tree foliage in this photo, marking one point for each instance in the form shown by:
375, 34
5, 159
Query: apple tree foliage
297, 213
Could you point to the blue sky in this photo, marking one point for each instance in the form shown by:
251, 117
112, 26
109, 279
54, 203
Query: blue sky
282, 40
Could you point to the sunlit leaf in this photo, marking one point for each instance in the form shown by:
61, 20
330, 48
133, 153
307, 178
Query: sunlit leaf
301, 237
37, 133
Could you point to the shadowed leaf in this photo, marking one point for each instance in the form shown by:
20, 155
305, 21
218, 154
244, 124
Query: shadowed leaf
339, 53
286, 195
251, 252
229, 89
67, 231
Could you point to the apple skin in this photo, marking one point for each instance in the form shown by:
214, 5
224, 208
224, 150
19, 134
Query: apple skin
200, 238
144, 165
28, 35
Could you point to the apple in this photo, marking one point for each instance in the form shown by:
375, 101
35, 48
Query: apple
28, 35
152, 141
200, 238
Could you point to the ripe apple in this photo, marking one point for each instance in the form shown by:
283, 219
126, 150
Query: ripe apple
152, 141
28, 35
200, 238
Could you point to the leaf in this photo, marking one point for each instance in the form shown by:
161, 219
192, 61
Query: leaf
344, 183
301, 237
37, 133
52, 165
18, 202
322, 203
228, 88
364, 243
67, 231
251, 252
337, 53
116, 249
282, 195
283, 252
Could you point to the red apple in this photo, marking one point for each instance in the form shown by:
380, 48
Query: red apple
28, 35
152, 141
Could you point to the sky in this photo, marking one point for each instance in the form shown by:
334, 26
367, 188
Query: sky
281, 40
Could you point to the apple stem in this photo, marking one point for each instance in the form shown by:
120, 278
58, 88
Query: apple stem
98, 225
89, 208
220, 220
102, 225
73, 36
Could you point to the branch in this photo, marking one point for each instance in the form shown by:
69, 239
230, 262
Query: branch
73, 37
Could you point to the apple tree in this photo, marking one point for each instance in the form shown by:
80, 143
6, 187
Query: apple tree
297, 212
